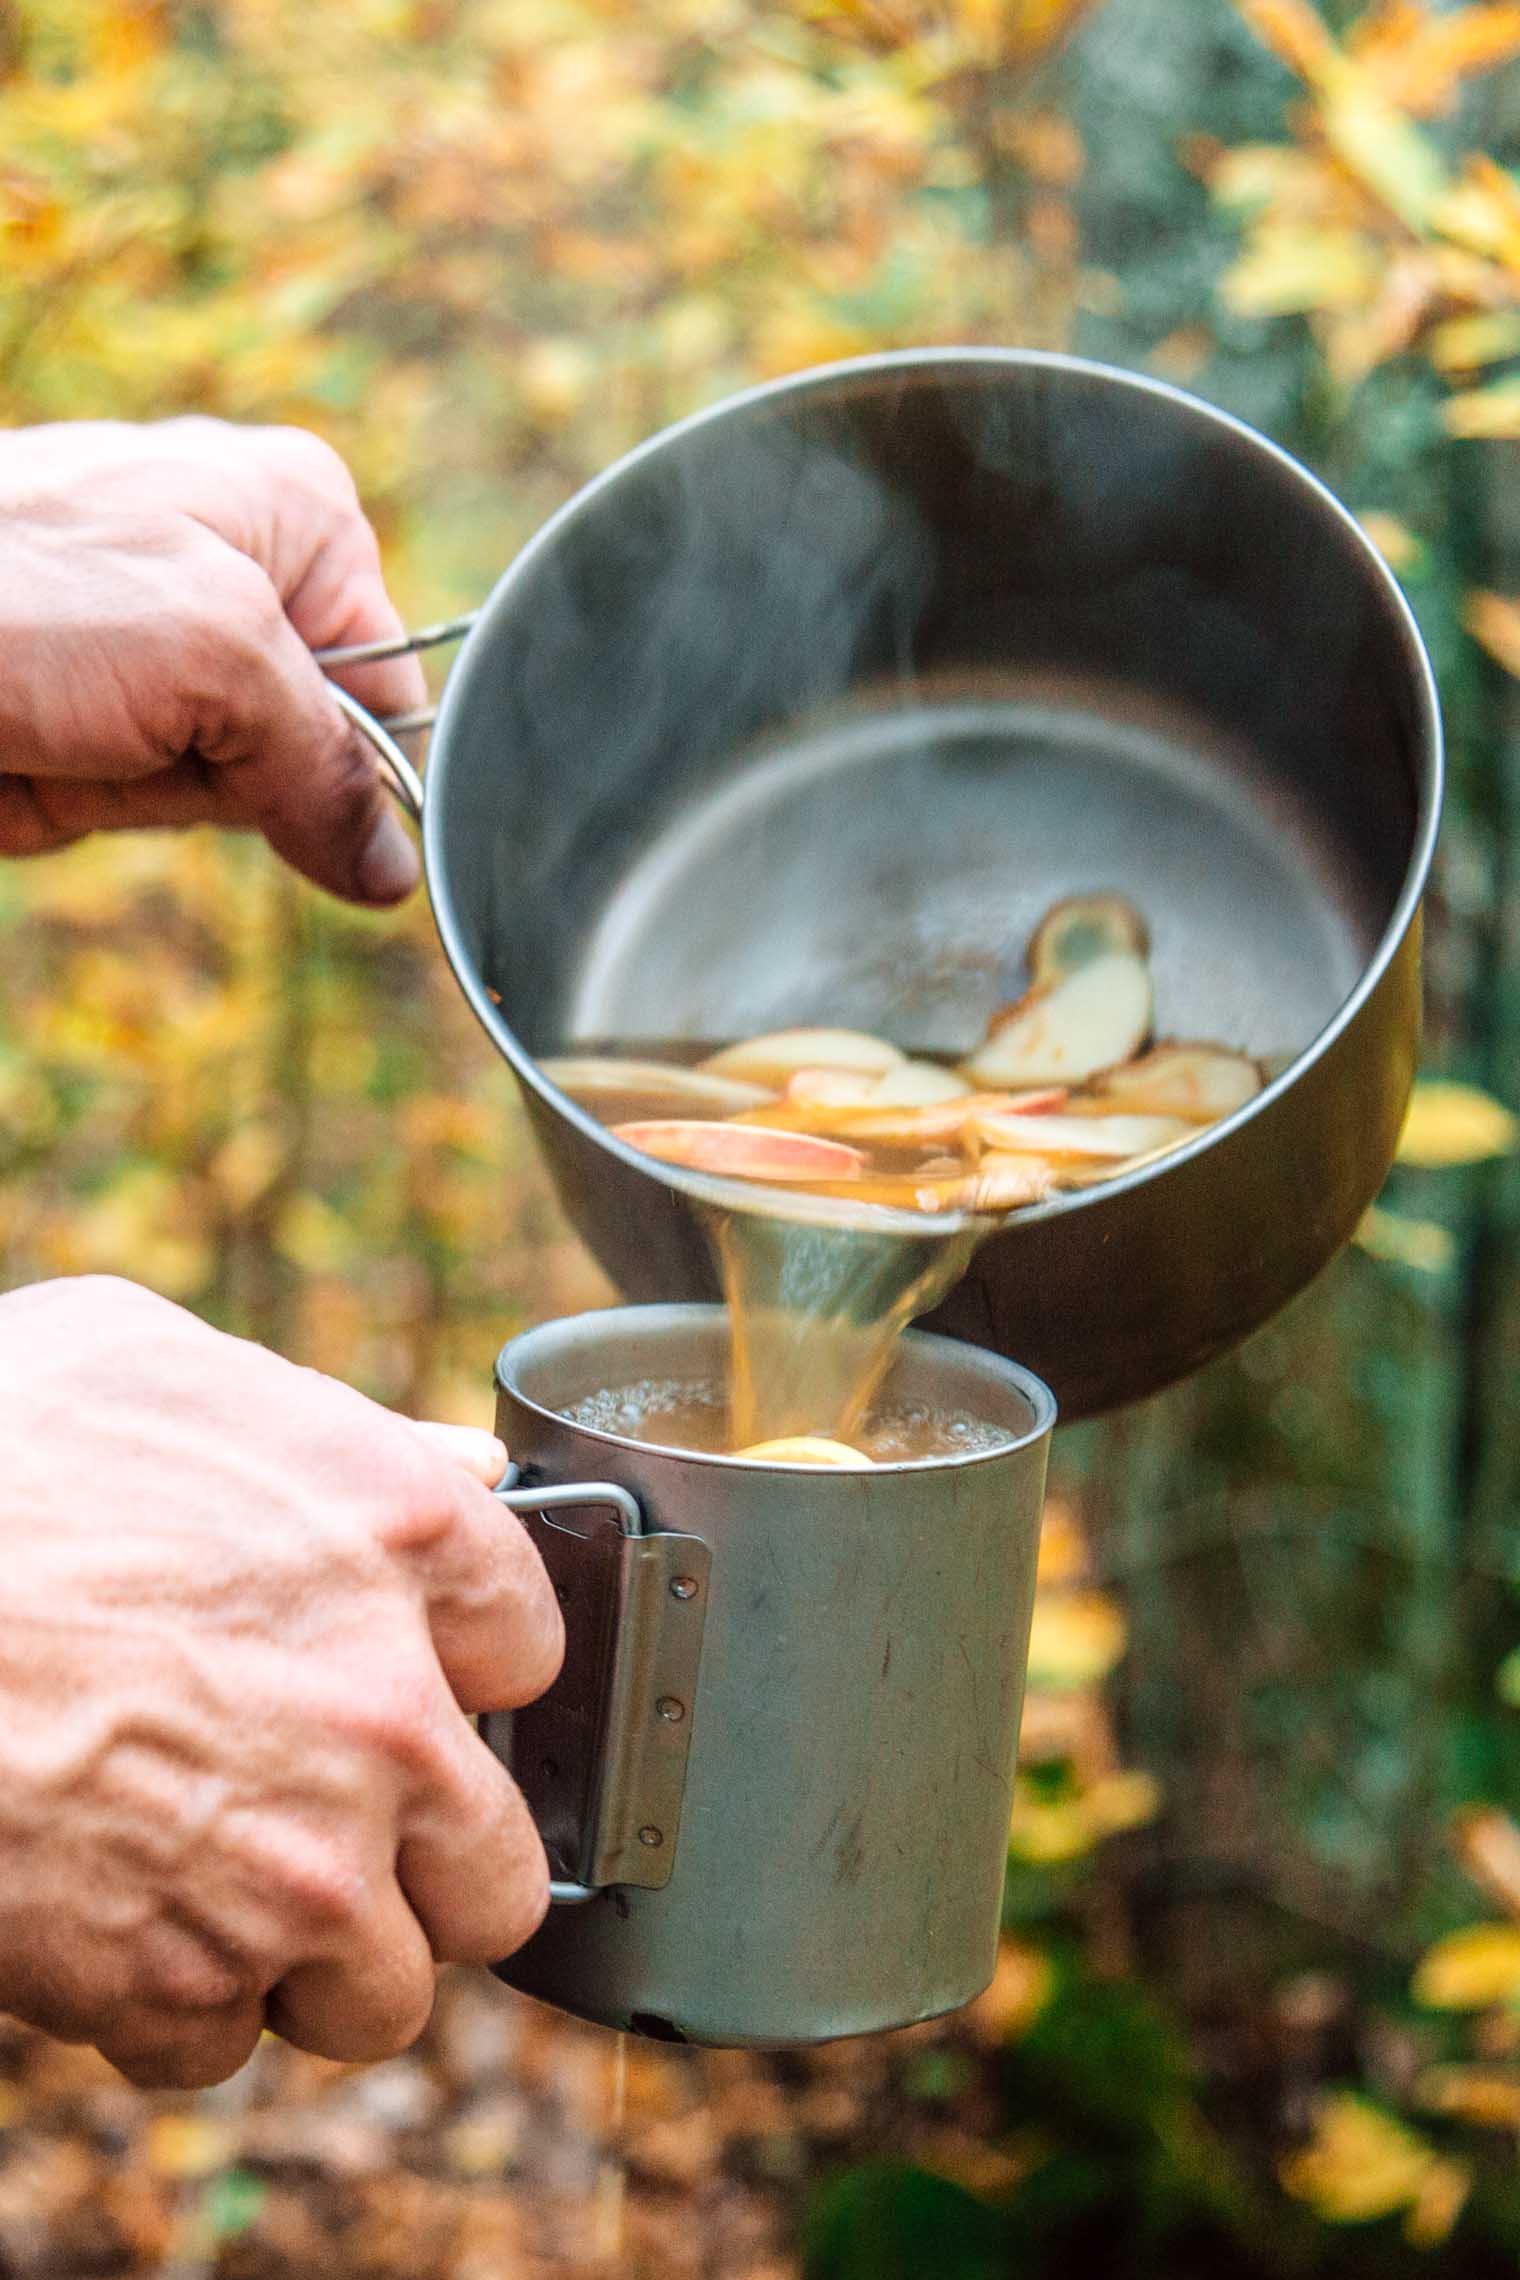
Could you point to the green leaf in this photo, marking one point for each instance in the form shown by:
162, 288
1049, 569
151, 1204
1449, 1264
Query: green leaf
888, 2221
232, 2202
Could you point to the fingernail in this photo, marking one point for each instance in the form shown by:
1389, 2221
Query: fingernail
388, 868
472, 1446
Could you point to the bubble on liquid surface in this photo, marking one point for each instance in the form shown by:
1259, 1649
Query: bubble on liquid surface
692, 1413
671, 1412
908, 1432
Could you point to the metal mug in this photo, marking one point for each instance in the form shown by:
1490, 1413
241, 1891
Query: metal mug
806, 710
775, 1774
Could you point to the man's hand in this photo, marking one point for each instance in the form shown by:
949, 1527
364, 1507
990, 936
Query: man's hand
243, 1612
161, 589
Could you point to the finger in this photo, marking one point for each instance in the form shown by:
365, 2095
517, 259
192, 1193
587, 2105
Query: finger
160, 2051
65, 808
370, 2001
325, 564
481, 1453
495, 1621
472, 1862
27, 826
289, 762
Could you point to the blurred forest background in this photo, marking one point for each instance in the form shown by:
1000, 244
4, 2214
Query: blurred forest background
1259, 2008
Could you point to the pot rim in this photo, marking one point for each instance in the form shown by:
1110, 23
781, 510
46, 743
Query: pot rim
731, 1195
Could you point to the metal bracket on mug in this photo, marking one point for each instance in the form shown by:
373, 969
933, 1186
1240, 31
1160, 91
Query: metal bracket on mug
601, 1758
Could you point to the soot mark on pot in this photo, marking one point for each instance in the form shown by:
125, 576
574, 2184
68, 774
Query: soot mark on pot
850, 1852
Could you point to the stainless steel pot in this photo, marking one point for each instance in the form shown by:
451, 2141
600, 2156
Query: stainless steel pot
807, 709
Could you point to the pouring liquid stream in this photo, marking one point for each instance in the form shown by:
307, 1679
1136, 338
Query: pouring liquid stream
815, 1308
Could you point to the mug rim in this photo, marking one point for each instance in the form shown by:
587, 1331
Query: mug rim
680, 1314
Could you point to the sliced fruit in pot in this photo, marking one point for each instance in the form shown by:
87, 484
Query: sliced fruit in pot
1103, 1137
1065, 1031
806, 1449
1201, 1082
743, 1151
594, 1078
1084, 927
773, 1059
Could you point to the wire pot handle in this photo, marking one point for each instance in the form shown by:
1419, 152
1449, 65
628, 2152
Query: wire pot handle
400, 776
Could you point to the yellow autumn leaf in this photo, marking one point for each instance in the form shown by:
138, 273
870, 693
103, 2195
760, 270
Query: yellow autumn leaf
1383, 149
1450, 1124
1489, 415
1361, 2164
1075, 1640
1294, 32
1420, 60
1438, 2203
314, 1237
1488, 1840
1481, 209
1394, 540
1494, 621
247, 1164
1463, 344
1290, 269
1422, 1244
186, 2145
1124, 1800
1485, 2096
1047, 1832
1021, 1987
1470, 1970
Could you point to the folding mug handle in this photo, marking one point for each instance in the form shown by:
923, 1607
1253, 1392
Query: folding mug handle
601, 1758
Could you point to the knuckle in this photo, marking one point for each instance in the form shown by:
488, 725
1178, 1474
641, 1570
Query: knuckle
396, 2028
312, 456
180, 1970
529, 1905
177, 2055
401, 1721
314, 1888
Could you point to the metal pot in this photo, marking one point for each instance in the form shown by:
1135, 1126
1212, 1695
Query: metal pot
806, 709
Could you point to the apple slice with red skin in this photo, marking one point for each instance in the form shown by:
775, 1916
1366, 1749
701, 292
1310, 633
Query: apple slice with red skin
743, 1151
1200, 1082
1063, 1032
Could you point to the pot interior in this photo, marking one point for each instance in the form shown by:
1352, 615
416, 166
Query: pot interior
810, 709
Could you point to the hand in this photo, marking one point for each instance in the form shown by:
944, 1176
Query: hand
161, 589
243, 1612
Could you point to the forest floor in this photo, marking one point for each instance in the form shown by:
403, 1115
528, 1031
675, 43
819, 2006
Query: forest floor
491, 2151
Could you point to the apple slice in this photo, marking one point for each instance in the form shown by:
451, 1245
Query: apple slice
1201, 1082
904, 1104
1082, 928
806, 1449
594, 1078
773, 1059
743, 1151
1106, 1138
1063, 1032
938, 1124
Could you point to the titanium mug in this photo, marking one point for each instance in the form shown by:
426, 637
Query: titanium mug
774, 1777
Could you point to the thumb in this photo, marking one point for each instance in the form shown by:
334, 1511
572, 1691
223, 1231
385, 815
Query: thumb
286, 760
